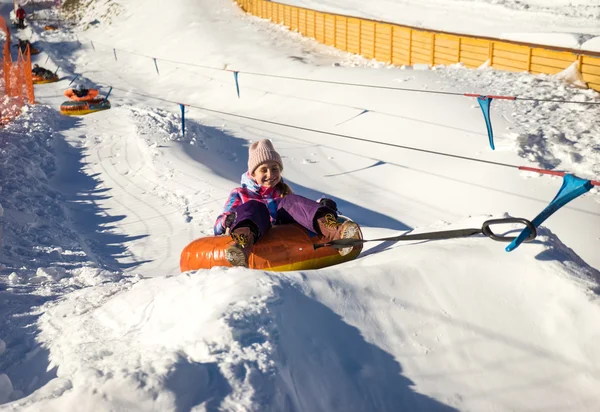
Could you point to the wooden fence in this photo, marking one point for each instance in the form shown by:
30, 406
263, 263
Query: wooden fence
396, 44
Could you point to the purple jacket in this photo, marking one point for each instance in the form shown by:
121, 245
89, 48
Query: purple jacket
250, 190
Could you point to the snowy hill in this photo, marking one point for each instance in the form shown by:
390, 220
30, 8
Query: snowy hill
96, 315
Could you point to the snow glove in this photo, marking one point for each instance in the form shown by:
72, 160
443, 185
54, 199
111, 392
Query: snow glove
328, 203
229, 222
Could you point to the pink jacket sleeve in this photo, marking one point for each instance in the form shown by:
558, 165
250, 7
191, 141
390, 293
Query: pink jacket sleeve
233, 201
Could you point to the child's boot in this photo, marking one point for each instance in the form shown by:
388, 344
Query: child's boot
237, 254
331, 229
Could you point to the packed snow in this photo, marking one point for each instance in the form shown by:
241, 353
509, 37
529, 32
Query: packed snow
96, 209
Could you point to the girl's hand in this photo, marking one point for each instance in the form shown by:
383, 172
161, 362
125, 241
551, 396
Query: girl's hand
328, 203
229, 220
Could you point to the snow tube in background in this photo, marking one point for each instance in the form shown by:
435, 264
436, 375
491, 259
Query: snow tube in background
283, 248
92, 94
72, 108
42, 79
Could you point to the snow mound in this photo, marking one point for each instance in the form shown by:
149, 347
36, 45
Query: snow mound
236, 339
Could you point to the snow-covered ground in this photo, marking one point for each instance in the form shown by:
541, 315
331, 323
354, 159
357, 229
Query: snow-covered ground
96, 316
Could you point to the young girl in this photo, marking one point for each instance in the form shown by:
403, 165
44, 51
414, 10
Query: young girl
264, 200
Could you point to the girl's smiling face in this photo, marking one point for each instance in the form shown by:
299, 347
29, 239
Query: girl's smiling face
267, 174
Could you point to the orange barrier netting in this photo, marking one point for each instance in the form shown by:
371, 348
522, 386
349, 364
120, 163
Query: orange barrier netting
17, 79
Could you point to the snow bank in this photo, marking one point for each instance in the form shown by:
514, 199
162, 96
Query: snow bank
43, 256
369, 335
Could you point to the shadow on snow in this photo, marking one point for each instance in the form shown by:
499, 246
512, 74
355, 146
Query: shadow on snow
327, 365
232, 160
81, 194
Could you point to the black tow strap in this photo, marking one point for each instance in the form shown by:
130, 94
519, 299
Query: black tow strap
445, 234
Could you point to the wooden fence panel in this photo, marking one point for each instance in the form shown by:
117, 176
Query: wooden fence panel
330, 30
513, 48
320, 27
383, 42
341, 34
311, 24
472, 62
523, 58
552, 63
367, 39
474, 52
554, 55
446, 49
541, 69
592, 80
446, 61
302, 22
513, 65
353, 37
287, 16
421, 47
401, 45
294, 22
590, 65
448, 42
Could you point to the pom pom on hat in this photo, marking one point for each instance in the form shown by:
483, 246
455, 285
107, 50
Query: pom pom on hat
261, 152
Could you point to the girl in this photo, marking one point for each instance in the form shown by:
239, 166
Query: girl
265, 199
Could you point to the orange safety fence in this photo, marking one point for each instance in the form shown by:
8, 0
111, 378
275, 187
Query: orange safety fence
398, 44
16, 84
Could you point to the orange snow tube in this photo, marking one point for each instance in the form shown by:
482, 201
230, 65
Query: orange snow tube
72, 108
91, 95
42, 79
283, 248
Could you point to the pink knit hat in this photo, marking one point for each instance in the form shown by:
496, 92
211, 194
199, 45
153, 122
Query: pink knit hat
261, 152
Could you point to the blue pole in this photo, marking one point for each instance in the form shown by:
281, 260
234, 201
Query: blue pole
484, 103
107, 94
237, 85
571, 188
182, 119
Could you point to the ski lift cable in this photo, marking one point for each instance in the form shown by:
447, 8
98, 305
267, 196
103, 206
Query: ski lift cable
372, 86
345, 136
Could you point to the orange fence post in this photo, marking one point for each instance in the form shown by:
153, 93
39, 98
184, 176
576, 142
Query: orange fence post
18, 81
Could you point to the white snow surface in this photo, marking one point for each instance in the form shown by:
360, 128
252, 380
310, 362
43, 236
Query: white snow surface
97, 317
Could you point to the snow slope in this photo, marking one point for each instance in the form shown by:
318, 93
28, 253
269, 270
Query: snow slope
96, 210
